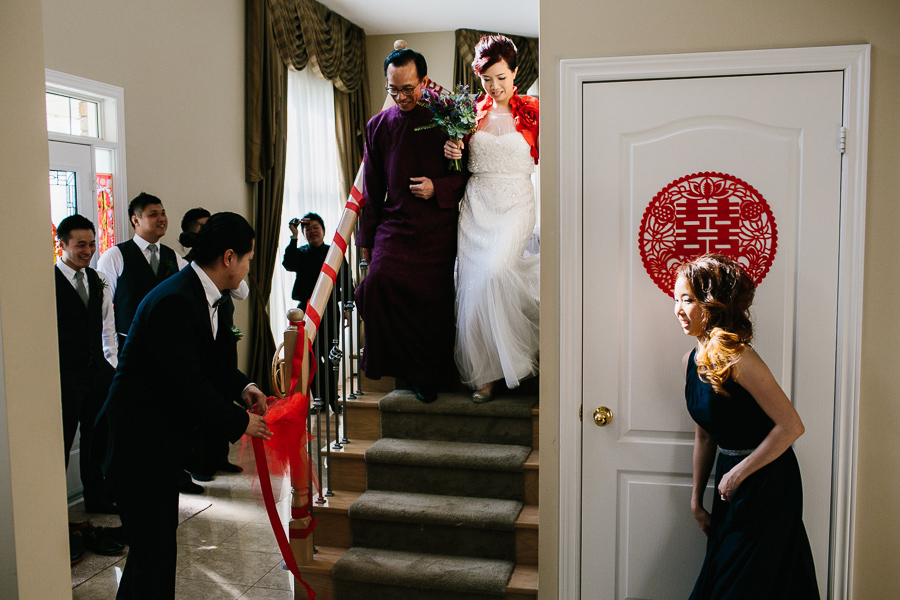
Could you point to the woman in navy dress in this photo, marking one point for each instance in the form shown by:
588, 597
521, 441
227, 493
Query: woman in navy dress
757, 545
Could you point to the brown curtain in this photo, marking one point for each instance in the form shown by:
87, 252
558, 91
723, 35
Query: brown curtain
465, 53
309, 34
266, 143
350, 125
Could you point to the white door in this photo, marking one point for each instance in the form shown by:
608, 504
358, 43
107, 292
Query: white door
71, 181
72, 191
774, 139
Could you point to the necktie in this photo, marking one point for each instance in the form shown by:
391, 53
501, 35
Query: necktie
154, 259
80, 288
222, 299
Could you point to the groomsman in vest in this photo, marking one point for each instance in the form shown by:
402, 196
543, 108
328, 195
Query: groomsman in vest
87, 352
137, 266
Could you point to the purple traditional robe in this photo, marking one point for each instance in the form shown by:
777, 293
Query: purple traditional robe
407, 299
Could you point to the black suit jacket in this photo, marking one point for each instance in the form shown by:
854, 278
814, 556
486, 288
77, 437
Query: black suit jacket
173, 382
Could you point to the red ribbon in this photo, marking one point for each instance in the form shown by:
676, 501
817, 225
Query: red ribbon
313, 316
358, 196
283, 417
340, 242
331, 273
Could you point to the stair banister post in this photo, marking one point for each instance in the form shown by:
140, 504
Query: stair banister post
297, 340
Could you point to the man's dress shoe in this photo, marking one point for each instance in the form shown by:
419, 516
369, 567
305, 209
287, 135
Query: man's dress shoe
76, 547
189, 487
227, 467
98, 542
426, 394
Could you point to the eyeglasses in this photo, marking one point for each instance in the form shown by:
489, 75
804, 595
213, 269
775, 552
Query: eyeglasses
407, 91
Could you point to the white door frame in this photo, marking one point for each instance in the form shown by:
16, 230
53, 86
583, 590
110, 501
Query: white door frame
854, 61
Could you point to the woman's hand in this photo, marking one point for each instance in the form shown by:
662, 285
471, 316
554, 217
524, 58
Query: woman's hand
257, 428
731, 481
453, 149
703, 518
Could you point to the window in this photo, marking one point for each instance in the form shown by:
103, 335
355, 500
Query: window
72, 116
311, 182
85, 129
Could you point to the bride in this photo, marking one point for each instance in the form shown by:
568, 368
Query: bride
497, 289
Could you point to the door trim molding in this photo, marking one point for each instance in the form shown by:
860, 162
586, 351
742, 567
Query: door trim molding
855, 62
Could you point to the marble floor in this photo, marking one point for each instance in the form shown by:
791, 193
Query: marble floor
225, 552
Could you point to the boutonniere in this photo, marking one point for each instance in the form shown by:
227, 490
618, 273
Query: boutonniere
101, 287
237, 333
171, 268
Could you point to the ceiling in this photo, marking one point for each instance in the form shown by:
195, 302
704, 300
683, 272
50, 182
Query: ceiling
379, 17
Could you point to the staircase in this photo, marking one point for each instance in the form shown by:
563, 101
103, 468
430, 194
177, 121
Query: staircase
431, 502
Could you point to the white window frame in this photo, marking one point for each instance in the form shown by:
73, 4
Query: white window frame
111, 99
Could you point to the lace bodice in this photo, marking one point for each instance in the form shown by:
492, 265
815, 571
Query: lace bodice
498, 148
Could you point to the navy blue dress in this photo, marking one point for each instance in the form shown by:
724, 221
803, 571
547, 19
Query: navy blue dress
757, 547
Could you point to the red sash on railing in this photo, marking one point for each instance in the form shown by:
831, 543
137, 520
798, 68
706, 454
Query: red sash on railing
285, 453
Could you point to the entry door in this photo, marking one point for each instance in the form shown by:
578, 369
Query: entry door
773, 135
71, 191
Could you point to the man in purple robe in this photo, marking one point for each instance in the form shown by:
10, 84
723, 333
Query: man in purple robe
407, 233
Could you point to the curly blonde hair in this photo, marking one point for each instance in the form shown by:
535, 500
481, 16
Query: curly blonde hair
724, 293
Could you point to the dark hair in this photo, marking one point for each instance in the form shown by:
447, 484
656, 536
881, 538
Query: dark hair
71, 223
191, 217
223, 231
401, 58
724, 293
314, 217
140, 202
188, 238
490, 49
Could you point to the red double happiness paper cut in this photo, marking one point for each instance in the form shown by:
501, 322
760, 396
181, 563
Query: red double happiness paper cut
707, 212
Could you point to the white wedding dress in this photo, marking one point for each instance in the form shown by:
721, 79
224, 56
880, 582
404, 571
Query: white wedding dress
497, 288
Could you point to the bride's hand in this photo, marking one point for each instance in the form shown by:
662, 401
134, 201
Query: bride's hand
453, 149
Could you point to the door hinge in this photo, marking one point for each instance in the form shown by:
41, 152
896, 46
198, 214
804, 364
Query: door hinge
579, 412
843, 143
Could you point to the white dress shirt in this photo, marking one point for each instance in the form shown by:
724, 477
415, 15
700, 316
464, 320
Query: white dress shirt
110, 338
113, 263
212, 295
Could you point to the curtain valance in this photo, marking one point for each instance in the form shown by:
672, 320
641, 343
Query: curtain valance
309, 34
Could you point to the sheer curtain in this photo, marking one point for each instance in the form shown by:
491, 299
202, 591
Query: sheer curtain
312, 180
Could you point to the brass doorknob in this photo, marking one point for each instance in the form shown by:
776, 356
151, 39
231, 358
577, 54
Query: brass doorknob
602, 416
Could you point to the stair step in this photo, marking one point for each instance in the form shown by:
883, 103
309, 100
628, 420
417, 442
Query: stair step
447, 468
430, 509
348, 469
522, 584
392, 574
448, 455
454, 417
334, 527
426, 523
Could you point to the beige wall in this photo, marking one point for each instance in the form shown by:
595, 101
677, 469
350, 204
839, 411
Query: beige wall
580, 29
437, 48
181, 65
33, 533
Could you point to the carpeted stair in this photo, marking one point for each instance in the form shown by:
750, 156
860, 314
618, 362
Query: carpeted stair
445, 484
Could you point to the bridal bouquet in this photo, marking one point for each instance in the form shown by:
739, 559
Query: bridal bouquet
453, 113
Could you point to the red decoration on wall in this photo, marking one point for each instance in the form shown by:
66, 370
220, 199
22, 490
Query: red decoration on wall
707, 212
106, 221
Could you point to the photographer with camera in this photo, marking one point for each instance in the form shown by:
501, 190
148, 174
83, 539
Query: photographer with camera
306, 261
